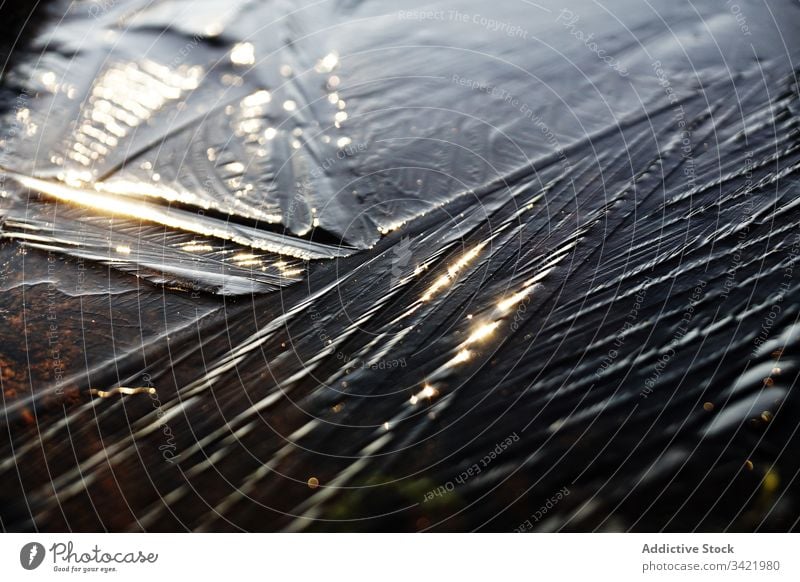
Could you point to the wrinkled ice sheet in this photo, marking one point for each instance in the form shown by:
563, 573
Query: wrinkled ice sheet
275, 126
455, 230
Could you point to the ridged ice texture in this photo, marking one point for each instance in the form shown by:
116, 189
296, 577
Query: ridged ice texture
602, 265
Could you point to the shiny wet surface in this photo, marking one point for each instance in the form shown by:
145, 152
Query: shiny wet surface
345, 267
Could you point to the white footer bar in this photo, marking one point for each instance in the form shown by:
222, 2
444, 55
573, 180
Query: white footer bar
389, 557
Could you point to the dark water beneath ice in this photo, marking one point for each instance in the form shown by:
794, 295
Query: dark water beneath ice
341, 266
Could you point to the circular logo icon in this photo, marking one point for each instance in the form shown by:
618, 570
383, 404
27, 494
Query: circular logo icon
31, 555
